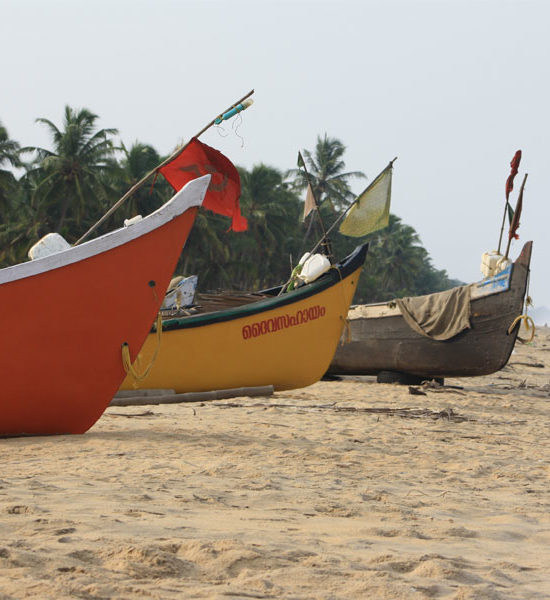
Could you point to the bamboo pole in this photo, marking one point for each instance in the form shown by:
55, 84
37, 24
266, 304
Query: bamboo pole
341, 217
514, 166
502, 225
323, 229
390, 165
137, 185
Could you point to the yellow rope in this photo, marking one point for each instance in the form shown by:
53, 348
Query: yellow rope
529, 325
346, 338
127, 362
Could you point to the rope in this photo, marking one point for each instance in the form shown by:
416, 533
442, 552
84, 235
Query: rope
235, 126
529, 325
527, 320
127, 361
346, 339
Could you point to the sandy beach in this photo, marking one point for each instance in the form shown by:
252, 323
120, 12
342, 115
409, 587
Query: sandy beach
344, 490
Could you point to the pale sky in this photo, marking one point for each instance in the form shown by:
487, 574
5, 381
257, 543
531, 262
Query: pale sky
453, 88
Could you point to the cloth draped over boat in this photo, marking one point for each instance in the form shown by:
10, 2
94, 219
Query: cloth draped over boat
371, 210
222, 196
438, 316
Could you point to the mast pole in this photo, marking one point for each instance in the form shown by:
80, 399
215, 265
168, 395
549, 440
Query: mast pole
324, 240
175, 154
517, 214
341, 217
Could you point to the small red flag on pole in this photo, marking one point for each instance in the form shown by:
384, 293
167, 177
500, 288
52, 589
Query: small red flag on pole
514, 170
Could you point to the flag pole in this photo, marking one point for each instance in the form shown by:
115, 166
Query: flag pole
514, 166
341, 217
517, 213
324, 239
390, 165
502, 226
226, 114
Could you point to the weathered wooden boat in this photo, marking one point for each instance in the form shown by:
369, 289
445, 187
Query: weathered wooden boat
382, 342
66, 316
286, 340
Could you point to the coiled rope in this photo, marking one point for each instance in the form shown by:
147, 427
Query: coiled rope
127, 362
527, 320
529, 326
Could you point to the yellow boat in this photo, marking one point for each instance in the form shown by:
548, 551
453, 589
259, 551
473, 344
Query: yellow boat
286, 340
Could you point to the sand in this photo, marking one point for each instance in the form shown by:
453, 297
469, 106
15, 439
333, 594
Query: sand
292, 496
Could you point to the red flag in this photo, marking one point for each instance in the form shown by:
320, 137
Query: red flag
222, 196
515, 166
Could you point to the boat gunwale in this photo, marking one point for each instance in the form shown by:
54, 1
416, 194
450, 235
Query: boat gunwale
189, 196
335, 275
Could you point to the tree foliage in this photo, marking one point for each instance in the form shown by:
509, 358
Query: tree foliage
70, 182
68, 187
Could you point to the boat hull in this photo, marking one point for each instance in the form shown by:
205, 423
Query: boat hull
63, 327
388, 343
286, 341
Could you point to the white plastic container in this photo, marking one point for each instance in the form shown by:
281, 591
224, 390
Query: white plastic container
313, 267
49, 244
493, 263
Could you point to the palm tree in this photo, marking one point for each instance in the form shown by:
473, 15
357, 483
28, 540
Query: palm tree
326, 166
397, 257
254, 258
72, 190
329, 182
273, 212
136, 162
9, 154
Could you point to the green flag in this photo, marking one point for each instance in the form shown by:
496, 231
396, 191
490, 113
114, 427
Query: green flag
510, 212
371, 210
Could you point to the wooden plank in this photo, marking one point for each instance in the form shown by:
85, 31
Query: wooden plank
139, 399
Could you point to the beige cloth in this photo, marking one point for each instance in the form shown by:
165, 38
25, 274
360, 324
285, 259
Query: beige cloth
438, 316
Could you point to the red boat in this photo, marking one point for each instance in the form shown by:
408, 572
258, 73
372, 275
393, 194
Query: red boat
65, 317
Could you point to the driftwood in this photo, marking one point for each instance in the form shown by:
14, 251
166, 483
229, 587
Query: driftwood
408, 413
527, 364
144, 397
